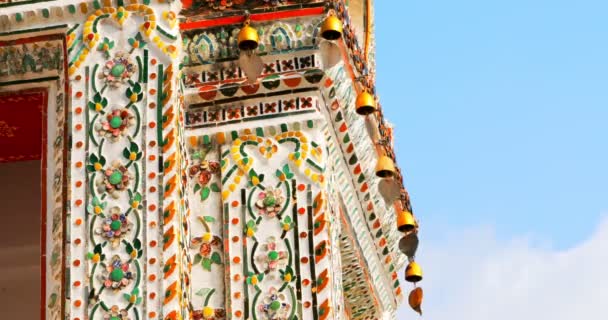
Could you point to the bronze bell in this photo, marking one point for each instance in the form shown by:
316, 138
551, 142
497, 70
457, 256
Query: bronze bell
409, 244
365, 104
248, 38
415, 300
331, 28
385, 168
405, 221
413, 272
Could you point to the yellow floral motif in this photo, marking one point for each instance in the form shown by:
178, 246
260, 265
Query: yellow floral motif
91, 37
121, 15
268, 149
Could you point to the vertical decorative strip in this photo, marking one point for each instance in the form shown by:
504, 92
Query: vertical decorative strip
118, 170
151, 188
298, 251
235, 240
315, 253
76, 224
207, 248
172, 203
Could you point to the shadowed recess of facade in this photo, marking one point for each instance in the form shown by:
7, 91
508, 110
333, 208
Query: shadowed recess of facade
210, 159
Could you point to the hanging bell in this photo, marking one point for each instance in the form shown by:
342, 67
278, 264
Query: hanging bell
415, 300
405, 221
331, 28
409, 244
248, 38
385, 168
365, 104
413, 272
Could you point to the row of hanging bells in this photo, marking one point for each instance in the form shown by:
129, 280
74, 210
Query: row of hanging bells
331, 31
406, 223
248, 42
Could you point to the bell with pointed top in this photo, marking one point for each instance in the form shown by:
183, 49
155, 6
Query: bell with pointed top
413, 272
248, 39
385, 168
409, 244
331, 28
365, 103
405, 221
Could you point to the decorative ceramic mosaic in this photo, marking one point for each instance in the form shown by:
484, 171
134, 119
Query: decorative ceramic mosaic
270, 85
252, 110
31, 58
200, 75
283, 36
210, 6
124, 98
260, 218
193, 194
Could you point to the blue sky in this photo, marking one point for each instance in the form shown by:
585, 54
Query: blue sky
501, 111
501, 115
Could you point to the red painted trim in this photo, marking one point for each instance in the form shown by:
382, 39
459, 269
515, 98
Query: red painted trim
43, 207
256, 17
43, 184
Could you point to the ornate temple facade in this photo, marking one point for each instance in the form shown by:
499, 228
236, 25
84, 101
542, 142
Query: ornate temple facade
212, 159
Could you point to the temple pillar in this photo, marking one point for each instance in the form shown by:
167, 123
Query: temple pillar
124, 246
261, 243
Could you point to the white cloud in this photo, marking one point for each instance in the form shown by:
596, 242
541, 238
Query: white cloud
473, 276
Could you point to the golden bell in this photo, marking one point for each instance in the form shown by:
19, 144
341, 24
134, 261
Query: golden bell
365, 104
385, 168
405, 221
331, 29
413, 272
248, 38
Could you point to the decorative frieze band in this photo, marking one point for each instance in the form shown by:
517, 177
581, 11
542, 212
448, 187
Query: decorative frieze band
249, 110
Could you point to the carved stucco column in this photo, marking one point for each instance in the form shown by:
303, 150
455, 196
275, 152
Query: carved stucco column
124, 243
258, 195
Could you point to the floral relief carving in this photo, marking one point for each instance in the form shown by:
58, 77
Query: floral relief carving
208, 312
270, 202
274, 306
118, 70
116, 124
272, 257
115, 313
114, 227
209, 247
117, 275
202, 171
115, 179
